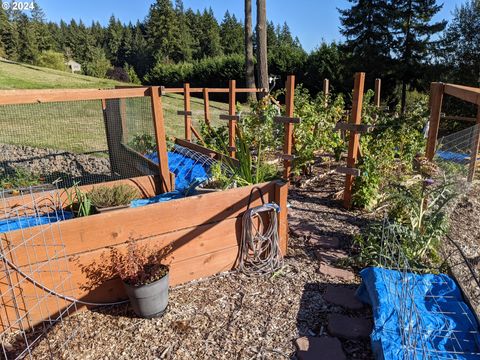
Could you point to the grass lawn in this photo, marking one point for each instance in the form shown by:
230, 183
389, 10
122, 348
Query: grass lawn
79, 126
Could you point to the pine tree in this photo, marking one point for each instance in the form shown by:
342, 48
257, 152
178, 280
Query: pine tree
162, 29
114, 35
27, 43
413, 28
460, 51
231, 35
42, 34
182, 49
209, 35
365, 25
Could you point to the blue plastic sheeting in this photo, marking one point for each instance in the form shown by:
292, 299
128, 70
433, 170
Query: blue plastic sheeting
188, 175
453, 156
432, 308
29, 221
188, 172
156, 199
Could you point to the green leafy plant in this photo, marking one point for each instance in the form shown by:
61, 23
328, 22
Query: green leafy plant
417, 218
143, 143
316, 132
20, 179
78, 202
118, 195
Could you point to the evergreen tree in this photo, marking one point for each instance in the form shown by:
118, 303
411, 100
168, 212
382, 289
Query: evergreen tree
27, 44
192, 20
182, 49
231, 35
413, 28
285, 55
114, 35
43, 36
365, 26
162, 29
209, 35
461, 45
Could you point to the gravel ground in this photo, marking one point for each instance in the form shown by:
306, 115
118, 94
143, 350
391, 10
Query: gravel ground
52, 164
231, 316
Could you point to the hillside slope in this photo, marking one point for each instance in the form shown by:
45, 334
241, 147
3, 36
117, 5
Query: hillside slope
23, 76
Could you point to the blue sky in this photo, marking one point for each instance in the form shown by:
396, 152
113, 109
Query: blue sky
310, 20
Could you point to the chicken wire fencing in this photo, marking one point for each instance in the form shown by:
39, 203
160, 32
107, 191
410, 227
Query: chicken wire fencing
34, 270
75, 142
455, 152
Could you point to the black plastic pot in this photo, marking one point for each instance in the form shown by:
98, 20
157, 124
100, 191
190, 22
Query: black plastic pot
149, 301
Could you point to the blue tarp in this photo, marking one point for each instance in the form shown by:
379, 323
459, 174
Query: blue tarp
188, 175
430, 306
29, 221
452, 156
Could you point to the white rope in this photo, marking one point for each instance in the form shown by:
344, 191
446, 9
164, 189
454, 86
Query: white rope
260, 247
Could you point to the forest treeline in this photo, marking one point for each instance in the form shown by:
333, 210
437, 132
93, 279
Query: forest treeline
396, 40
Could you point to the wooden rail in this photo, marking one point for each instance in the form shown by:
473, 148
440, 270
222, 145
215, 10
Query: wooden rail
469, 94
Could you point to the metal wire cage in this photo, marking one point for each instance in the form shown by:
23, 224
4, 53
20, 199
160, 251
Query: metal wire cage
32, 249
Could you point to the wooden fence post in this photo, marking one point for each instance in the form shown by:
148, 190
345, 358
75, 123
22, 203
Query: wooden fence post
326, 90
158, 122
188, 114
288, 126
354, 141
378, 92
206, 106
232, 123
474, 150
436, 99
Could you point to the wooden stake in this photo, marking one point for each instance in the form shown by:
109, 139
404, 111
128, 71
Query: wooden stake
354, 141
378, 92
436, 99
474, 150
288, 126
206, 106
188, 117
159, 125
232, 124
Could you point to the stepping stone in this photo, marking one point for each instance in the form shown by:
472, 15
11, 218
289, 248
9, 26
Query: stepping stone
342, 296
324, 241
349, 327
319, 348
328, 259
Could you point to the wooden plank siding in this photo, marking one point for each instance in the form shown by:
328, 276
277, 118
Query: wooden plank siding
203, 233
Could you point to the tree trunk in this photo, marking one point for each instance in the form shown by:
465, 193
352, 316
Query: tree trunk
262, 61
249, 59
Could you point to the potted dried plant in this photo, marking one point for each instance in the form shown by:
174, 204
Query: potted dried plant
106, 198
145, 278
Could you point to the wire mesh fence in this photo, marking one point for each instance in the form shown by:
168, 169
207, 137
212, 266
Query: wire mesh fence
32, 250
455, 152
82, 142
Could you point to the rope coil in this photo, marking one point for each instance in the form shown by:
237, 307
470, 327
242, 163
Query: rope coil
260, 245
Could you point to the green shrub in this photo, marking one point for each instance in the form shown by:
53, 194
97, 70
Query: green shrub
143, 143
413, 228
208, 72
118, 195
52, 59
315, 133
20, 179
98, 64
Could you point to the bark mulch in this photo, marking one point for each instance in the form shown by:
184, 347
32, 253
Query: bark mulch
232, 316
